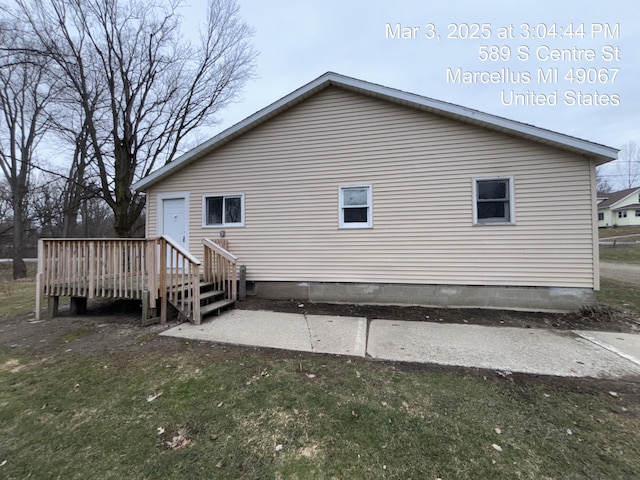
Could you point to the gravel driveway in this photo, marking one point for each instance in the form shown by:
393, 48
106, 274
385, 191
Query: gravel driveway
621, 271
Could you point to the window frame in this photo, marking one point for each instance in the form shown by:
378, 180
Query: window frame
511, 199
224, 196
341, 207
637, 213
622, 214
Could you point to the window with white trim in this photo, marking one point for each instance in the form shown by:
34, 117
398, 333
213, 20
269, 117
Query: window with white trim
355, 206
622, 214
493, 201
223, 210
600, 216
637, 213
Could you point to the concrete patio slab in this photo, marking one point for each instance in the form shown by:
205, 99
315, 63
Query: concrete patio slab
626, 345
536, 351
287, 331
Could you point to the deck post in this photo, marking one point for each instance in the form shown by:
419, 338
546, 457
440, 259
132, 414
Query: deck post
78, 306
39, 278
163, 281
242, 283
195, 298
145, 306
52, 305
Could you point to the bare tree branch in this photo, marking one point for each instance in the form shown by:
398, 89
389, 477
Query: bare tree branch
627, 165
25, 92
141, 89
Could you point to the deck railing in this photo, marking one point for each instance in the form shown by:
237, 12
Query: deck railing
90, 268
148, 269
220, 267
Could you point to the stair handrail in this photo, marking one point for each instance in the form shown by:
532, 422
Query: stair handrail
220, 268
223, 251
179, 283
183, 251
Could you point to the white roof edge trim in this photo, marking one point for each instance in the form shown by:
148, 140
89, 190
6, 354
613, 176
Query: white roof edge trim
522, 129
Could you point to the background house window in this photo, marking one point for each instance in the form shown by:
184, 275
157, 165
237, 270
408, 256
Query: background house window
355, 206
637, 213
224, 210
493, 201
622, 214
600, 216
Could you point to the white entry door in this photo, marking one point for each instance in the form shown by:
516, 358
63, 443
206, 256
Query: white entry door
174, 219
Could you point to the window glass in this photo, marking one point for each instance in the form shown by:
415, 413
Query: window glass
355, 207
355, 196
223, 210
353, 215
214, 211
493, 201
232, 210
490, 190
492, 210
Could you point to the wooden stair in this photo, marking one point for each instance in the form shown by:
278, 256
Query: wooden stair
212, 301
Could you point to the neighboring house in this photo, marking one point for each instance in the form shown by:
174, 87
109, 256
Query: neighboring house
348, 191
619, 209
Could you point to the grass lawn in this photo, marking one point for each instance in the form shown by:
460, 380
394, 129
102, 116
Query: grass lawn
619, 231
256, 416
619, 294
621, 254
168, 408
17, 297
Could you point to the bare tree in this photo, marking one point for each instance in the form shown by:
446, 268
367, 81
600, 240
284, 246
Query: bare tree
24, 94
6, 220
603, 186
627, 167
70, 125
143, 89
44, 209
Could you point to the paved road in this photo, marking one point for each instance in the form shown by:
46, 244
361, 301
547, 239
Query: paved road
621, 271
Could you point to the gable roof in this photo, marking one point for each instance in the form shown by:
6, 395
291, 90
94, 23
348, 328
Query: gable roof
600, 153
615, 197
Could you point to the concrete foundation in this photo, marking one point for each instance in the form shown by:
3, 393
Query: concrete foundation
467, 296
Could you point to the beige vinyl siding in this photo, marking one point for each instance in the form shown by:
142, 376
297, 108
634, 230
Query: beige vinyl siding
421, 168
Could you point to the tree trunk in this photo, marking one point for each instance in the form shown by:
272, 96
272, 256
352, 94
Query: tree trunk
19, 267
69, 223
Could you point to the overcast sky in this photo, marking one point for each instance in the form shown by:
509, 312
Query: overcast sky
594, 42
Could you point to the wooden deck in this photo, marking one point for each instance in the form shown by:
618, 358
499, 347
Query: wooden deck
157, 271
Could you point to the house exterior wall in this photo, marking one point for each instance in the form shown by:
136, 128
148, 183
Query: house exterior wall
610, 213
421, 169
607, 218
